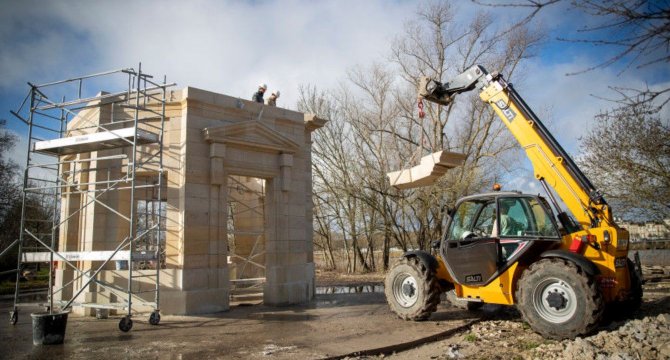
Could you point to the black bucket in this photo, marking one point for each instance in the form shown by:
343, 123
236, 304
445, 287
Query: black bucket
49, 328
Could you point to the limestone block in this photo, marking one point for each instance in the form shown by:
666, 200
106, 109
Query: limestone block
195, 302
270, 259
297, 246
310, 271
197, 163
275, 295
195, 261
298, 221
432, 167
195, 279
298, 293
296, 273
196, 192
297, 258
223, 276
196, 218
217, 247
196, 247
212, 277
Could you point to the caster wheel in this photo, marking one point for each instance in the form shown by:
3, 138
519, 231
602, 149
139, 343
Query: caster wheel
13, 317
125, 324
154, 318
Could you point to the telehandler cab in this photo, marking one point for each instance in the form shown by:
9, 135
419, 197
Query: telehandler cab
510, 248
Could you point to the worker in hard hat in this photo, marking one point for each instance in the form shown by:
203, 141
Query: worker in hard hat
272, 101
258, 95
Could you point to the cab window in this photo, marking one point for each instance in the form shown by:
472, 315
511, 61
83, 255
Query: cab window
472, 219
525, 217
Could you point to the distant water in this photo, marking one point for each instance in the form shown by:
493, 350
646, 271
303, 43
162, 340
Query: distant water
653, 257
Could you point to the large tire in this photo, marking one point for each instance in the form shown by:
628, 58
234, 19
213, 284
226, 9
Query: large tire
463, 304
559, 300
412, 290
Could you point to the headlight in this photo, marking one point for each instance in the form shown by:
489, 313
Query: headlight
606, 237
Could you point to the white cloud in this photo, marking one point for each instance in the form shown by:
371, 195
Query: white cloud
230, 46
568, 104
226, 46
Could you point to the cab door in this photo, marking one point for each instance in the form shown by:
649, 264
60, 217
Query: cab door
471, 252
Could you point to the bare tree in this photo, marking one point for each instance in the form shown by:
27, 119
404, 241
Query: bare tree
467, 126
631, 172
9, 190
628, 155
637, 30
375, 129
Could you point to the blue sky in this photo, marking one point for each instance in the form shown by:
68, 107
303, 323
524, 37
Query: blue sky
230, 46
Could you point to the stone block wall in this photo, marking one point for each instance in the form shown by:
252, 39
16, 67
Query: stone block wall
209, 137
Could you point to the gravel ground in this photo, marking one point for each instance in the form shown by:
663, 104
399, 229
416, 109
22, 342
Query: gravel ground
506, 336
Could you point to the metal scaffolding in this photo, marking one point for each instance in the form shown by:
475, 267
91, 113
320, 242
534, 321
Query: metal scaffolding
83, 148
246, 236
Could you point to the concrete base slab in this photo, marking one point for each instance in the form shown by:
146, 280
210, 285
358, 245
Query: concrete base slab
331, 325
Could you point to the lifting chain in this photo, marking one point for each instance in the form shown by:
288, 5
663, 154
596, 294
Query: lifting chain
419, 104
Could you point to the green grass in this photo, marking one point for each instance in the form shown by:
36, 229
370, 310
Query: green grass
529, 345
40, 281
470, 337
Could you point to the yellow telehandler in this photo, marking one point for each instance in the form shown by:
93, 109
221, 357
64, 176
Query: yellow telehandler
509, 248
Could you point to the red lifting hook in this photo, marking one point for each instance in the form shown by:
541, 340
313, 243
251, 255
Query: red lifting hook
422, 113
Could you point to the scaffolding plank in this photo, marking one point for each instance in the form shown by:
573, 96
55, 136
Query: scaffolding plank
45, 256
94, 142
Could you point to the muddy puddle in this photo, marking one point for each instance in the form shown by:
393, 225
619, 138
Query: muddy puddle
349, 289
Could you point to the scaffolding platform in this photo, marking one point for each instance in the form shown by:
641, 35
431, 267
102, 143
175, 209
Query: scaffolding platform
45, 256
431, 168
104, 140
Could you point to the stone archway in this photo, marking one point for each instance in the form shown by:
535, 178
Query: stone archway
255, 150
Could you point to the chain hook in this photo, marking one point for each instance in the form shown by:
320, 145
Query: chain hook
422, 113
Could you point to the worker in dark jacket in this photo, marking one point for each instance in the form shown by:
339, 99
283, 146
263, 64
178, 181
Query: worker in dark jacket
258, 95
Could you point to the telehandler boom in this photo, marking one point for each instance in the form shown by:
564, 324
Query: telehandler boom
509, 248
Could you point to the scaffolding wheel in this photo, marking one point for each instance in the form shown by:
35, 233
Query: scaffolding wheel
154, 318
13, 317
125, 324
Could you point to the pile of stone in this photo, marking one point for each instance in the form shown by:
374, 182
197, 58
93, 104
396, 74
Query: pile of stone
648, 338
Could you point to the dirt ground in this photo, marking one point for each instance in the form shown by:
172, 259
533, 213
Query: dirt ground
332, 325
349, 318
506, 336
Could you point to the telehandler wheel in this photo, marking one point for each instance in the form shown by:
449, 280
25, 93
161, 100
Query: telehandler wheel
559, 300
463, 304
412, 290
